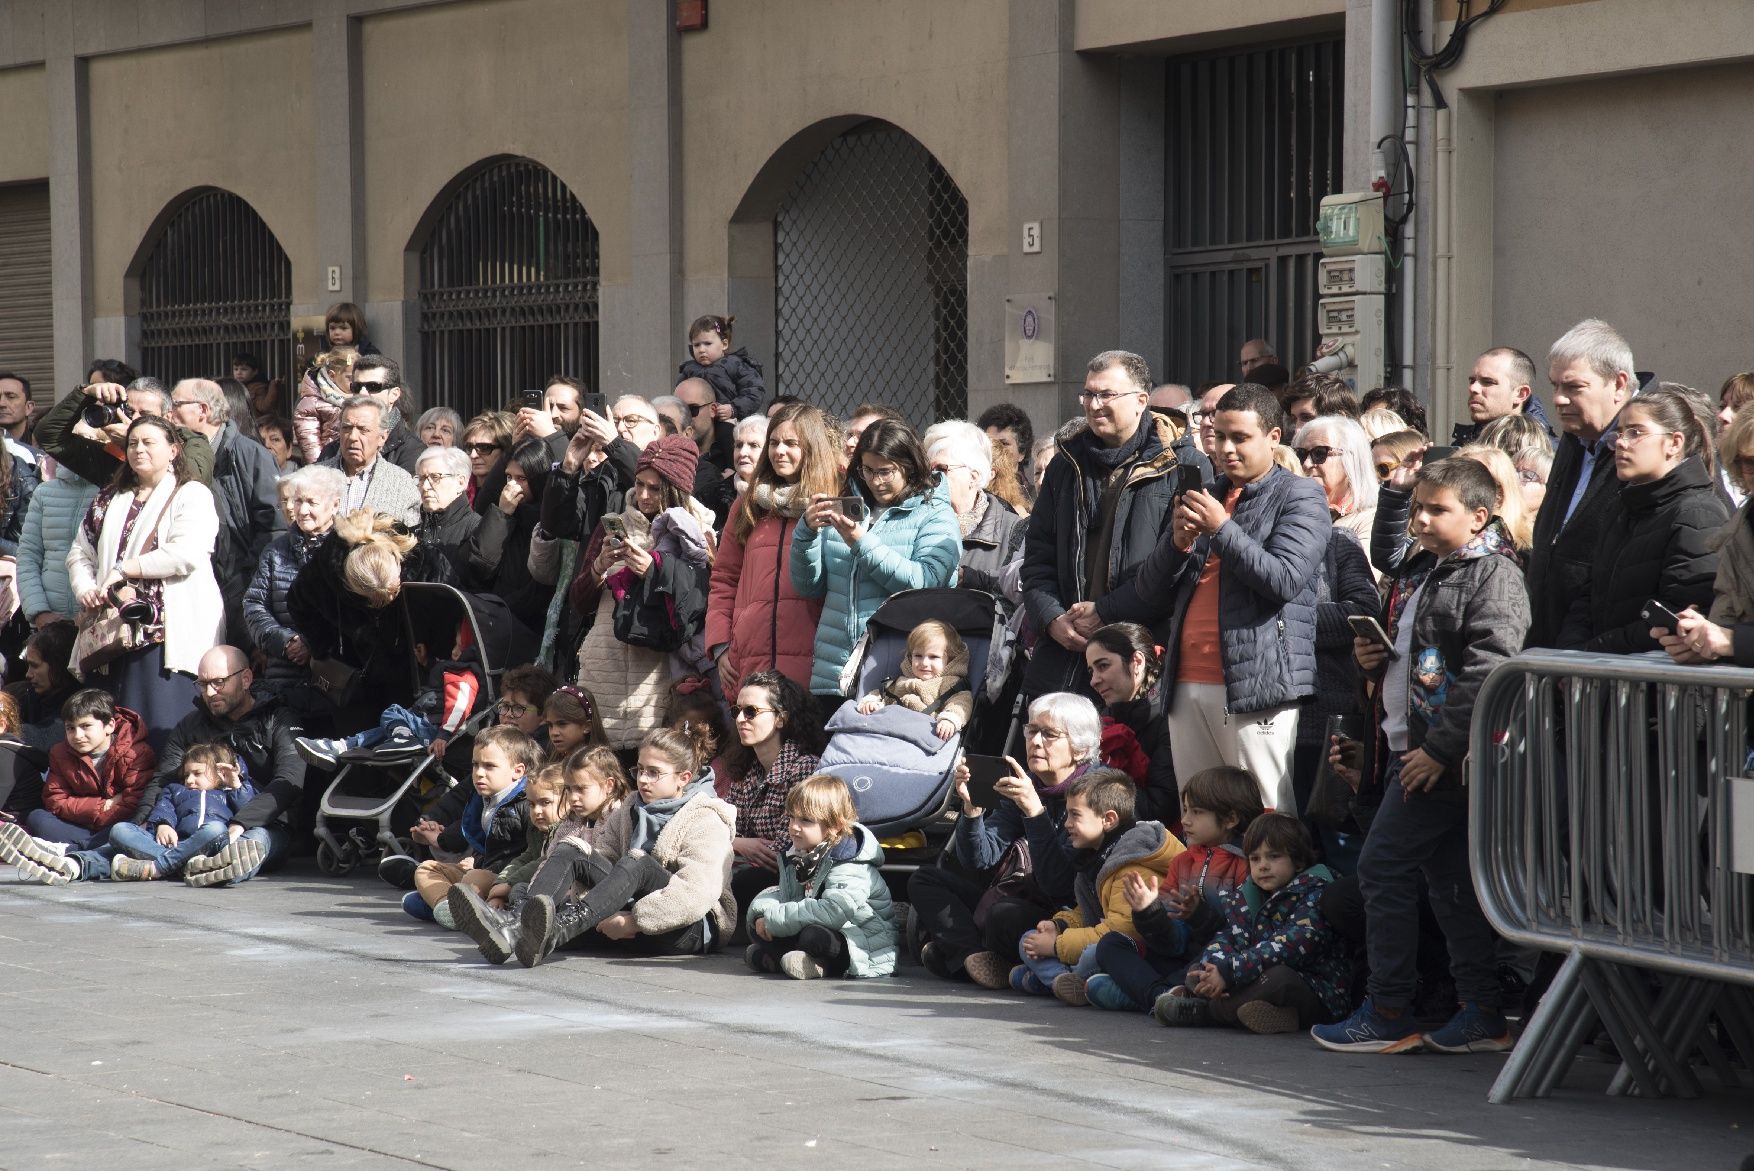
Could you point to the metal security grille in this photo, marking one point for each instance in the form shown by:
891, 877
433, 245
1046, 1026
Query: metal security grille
216, 282
27, 326
871, 279
508, 289
1254, 144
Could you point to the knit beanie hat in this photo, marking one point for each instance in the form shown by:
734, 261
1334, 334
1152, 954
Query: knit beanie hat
675, 458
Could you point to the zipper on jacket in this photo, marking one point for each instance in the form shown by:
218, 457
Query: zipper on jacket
773, 618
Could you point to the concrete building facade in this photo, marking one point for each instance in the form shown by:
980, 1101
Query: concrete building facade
1546, 190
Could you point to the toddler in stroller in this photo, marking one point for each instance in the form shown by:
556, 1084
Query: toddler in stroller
452, 694
933, 679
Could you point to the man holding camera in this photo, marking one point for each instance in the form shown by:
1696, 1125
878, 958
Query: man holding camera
86, 430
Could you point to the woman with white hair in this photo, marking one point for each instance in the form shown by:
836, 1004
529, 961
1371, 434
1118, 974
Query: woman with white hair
1062, 741
963, 454
310, 497
447, 520
1335, 451
749, 437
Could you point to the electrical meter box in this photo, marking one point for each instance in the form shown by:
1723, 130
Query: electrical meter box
1355, 325
1351, 224
1341, 276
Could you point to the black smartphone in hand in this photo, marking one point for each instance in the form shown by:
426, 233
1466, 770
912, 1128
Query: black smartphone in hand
984, 774
1188, 478
1657, 615
532, 399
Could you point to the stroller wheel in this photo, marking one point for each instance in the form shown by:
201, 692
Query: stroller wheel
333, 863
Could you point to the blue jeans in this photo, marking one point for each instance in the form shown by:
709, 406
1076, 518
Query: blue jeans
395, 716
138, 842
1046, 969
40, 823
277, 839
1414, 834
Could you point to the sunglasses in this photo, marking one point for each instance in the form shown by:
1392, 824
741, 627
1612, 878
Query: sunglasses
372, 387
749, 711
481, 448
696, 408
1317, 455
1384, 471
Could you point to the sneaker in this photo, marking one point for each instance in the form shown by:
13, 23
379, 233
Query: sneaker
1368, 1031
1068, 987
235, 862
988, 969
127, 869
1257, 1016
1472, 1030
1103, 992
398, 870
799, 966
54, 870
416, 906
441, 915
16, 845
1179, 1008
759, 960
1027, 982
933, 959
319, 751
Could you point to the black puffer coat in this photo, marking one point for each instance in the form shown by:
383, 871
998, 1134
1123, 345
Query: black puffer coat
735, 379
1658, 541
448, 530
1347, 589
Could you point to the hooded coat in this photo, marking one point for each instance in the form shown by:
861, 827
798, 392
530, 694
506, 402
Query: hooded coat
1100, 901
754, 612
735, 379
695, 847
847, 894
51, 521
1264, 931
75, 790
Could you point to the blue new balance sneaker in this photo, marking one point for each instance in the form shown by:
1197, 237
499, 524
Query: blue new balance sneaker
1105, 993
1368, 1031
1472, 1030
1027, 982
416, 906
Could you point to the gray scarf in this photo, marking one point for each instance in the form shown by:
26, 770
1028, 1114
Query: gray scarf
650, 817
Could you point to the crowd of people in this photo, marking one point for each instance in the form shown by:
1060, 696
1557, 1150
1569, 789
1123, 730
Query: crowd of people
1245, 627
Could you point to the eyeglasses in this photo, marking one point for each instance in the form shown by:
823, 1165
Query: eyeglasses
1636, 434
749, 711
1530, 476
372, 387
434, 477
946, 469
1315, 456
642, 773
515, 710
481, 448
216, 684
1101, 398
891, 472
187, 402
632, 420
1384, 471
1045, 735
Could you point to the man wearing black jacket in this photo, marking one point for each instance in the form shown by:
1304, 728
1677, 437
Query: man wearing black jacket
1501, 383
381, 378
1593, 376
261, 732
714, 485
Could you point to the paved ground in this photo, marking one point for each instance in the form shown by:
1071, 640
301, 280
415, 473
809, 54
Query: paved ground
306, 1018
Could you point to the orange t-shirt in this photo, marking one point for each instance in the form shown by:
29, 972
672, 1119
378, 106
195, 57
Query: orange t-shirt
1200, 658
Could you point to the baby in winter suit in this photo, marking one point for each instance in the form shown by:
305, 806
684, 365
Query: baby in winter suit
933, 679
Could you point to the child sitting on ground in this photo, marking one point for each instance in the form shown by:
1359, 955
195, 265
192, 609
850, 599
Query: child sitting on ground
593, 788
1276, 966
831, 913
1175, 918
933, 680
546, 794
1060, 954
96, 777
453, 687
188, 819
570, 715
490, 829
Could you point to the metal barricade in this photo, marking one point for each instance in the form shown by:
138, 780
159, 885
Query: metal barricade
1603, 827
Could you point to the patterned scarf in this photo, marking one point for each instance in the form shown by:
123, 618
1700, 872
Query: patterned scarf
807, 862
788, 501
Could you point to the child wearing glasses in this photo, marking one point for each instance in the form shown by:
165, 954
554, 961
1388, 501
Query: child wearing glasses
933, 679
523, 694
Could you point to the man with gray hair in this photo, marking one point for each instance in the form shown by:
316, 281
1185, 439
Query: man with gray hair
94, 451
1256, 352
372, 481
1100, 513
1592, 374
378, 376
244, 493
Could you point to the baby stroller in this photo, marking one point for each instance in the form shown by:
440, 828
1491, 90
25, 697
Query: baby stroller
899, 772
374, 785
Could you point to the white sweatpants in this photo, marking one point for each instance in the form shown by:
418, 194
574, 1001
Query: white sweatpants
1202, 736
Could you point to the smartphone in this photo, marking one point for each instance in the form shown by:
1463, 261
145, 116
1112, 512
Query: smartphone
615, 527
1188, 479
1655, 614
852, 507
984, 774
1369, 629
1433, 454
532, 399
597, 404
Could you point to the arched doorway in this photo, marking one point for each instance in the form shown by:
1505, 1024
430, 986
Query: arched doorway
215, 282
871, 278
508, 279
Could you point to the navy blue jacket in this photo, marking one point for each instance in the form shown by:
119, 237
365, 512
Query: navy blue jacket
1272, 551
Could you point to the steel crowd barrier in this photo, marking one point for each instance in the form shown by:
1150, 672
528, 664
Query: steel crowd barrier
1611, 822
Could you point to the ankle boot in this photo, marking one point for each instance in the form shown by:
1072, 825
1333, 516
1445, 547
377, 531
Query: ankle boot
543, 927
491, 928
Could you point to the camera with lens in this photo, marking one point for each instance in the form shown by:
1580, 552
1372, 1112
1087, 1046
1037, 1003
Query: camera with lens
98, 415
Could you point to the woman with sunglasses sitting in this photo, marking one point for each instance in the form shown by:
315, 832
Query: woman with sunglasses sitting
1335, 452
779, 743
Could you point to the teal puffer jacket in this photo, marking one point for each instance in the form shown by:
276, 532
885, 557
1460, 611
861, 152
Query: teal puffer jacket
847, 895
913, 544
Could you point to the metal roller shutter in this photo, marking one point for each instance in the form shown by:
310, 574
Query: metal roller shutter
27, 341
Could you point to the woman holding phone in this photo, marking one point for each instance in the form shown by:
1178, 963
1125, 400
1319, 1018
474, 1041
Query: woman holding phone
897, 532
966, 931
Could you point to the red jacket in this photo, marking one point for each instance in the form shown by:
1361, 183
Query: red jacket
1216, 870
75, 792
753, 608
